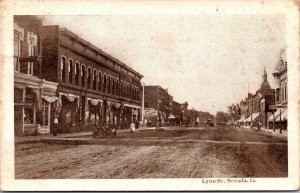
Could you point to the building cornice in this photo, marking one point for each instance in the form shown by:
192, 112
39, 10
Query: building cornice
99, 51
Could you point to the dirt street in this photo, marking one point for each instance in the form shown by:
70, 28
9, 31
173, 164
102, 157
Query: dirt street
173, 153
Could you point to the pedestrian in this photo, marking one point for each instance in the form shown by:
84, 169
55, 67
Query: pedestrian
132, 127
55, 126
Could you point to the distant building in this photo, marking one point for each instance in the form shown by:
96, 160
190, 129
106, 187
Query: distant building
255, 107
159, 100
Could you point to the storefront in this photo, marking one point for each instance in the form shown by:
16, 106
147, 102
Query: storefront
69, 114
33, 98
278, 119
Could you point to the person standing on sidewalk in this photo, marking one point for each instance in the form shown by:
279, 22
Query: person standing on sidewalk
55, 126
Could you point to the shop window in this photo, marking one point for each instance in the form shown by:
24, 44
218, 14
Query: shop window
63, 69
43, 117
70, 71
83, 72
28, 109
94, 79
76, 73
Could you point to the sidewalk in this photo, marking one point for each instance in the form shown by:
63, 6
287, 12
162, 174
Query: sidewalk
42, 137
270, 132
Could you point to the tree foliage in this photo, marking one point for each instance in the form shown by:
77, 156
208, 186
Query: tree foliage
234, 111
222, 117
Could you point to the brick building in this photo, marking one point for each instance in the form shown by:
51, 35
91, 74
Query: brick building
94, 88
160, 101
255, 107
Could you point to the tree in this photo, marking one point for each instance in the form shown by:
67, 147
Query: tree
234, 111
222, 117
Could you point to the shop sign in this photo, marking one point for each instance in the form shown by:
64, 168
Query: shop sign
277, 106
23, 104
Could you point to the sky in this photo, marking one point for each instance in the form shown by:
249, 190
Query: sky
210, 61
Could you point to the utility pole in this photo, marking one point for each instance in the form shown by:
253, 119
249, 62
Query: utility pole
157, 122
143, 103
273, 113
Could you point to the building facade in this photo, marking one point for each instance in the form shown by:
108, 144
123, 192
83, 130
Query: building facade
279, 115
255, 107
34, 98
160, 101
94, 88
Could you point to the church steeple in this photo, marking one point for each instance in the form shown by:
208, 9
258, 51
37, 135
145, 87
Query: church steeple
265, 86
265, 76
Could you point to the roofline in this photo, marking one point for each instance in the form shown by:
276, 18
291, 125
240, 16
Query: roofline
77, 37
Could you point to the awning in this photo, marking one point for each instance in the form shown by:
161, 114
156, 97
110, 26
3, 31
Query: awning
252, 117
116, 105
242, 119
133, 106
50, 99
69, 96
172, 117
282, 116
276, 114
94, 101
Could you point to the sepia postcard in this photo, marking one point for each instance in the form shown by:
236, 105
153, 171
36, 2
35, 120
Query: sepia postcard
149, 95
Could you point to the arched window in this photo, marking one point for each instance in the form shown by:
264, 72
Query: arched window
70, 72
100, 81
89, 78
94, 79
104, 83
76, 73
63, 69
113, 86
121, 89
83, 74
110, 85
117, 87
127, 90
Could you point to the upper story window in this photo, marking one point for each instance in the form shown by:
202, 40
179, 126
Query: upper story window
83, 74
89, 78
104, 83
94, 79
108, 87
117, 88
76, 73
63, 69
100, 81
32, 50
17, 49
113, 86
70, 71
284, 92
121, 89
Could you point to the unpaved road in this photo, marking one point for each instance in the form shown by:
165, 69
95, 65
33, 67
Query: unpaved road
175, 153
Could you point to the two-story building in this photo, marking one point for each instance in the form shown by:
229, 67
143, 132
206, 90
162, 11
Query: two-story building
35, 100
279, 117
94, 88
